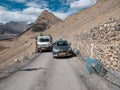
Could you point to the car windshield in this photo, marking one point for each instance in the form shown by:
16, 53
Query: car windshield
44, 39
62, 43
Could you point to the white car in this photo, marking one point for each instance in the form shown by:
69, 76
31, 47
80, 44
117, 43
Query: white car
44, 43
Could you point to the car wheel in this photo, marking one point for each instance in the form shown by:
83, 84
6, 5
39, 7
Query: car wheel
54, 57
39, 51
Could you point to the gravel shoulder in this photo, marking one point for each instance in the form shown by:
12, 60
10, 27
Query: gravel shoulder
93, 81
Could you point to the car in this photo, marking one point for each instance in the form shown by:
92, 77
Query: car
44, 43
62, 48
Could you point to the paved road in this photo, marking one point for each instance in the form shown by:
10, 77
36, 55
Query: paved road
54, 74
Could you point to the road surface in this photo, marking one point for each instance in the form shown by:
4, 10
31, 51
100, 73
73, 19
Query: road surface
48, 73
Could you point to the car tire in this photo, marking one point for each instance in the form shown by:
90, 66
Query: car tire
39, 51
54, 57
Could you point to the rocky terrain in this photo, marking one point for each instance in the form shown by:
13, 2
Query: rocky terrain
44, 21
105, 41
12, 29
94, 31
14, 51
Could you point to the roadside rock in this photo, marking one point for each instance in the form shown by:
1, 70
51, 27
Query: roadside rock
106, 41
15, 65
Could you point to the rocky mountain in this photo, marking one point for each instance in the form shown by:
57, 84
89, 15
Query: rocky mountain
14, 27
94, 31
45, 20
105, 40
26, 41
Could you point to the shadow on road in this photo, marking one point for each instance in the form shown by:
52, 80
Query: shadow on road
61, 58
31, 69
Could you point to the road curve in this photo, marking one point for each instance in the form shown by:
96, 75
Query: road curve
48, 73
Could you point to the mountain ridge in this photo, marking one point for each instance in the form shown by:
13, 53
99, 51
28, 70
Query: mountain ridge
71, 29
26, 40
97, 16
45, 21
14, 27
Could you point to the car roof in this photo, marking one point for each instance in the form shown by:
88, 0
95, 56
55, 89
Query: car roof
61, 40
44, 36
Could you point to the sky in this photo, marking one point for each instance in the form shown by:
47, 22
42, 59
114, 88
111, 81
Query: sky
29, 10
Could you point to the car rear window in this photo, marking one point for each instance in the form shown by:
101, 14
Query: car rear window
62, 43
44, 39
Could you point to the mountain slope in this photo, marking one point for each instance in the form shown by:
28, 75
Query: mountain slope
14, 27
24, 44
73, 29
77, 29
88, 18
45, 20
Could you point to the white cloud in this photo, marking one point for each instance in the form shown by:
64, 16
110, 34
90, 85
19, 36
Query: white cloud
34, 9
82, 3
61, 14
2, 8
28, 14
32, 4
37, 4
18, 1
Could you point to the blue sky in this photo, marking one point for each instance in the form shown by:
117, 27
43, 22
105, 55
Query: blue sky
29, 10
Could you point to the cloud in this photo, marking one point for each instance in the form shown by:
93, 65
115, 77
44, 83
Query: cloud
18, 1
61, 14
31, 11
29, 14
32, 4
82, 3
42, 4
35, 7
2, 8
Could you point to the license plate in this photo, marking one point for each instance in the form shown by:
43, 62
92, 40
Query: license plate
61, 54
43, 48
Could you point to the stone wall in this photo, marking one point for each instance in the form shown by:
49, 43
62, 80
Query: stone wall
102, 43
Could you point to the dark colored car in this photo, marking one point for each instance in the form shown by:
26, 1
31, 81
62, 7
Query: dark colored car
62, 48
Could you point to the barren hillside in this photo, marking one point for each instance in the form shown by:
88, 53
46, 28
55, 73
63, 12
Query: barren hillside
88, 18
14, 27
44, 21
73, 27
25, 44
76, 29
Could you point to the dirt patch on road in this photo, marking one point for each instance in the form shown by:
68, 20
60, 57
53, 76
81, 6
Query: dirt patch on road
2, 48
15, 65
